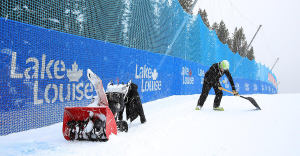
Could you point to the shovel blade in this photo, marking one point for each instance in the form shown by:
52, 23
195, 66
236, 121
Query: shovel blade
252, 101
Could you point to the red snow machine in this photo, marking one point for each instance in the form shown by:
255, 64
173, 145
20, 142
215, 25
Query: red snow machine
98, 120
88, 123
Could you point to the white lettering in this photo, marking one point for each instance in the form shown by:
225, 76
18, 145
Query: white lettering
144, 72
48, 69
86, 90
35, 68
35, 94
136, 76
73, 92
13, 67
188, 80
200, 72
246, 86
61, 92
226, 85
57, 69
43, 66
47, 93
69, 93
149, 73
185, 71
79, 91
255, 86
151, 86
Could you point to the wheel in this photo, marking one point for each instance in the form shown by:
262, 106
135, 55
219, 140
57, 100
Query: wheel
125, 126
122, 126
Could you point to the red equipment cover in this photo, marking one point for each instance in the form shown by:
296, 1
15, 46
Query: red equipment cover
81, 113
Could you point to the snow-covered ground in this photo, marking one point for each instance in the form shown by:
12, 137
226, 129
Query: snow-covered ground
174, 127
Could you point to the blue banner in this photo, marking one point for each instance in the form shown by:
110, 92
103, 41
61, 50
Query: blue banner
43, 71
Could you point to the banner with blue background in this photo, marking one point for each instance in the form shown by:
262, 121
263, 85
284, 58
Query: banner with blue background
43, 71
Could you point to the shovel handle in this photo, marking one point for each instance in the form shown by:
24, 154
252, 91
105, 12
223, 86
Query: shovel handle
221, 88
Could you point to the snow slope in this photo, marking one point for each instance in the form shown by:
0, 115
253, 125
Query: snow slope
174, 127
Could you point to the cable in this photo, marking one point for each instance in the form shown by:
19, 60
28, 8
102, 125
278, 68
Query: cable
241, 13
220, 9
267, 44
211, 11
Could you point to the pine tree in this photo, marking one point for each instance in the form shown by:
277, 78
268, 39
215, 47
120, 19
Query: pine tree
234, 45
204, 18
229, 43
215, 27
186, 4
238, 40
250, 54
244, 49
223, 33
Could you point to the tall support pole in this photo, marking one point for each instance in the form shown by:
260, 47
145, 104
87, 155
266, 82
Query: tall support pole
254, 36
272, 68
274, 64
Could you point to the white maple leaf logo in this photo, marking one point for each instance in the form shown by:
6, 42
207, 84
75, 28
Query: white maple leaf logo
74, 74
154, 74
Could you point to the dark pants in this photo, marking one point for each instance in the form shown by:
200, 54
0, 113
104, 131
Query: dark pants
205, 90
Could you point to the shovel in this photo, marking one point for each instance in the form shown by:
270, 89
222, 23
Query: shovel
248, 98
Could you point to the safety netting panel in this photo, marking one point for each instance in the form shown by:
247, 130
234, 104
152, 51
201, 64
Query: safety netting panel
147, 25
46, 47
155, 26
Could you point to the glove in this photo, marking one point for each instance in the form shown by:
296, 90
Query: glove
235, 93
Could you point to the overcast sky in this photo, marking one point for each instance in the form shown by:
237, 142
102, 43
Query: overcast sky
277, 38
